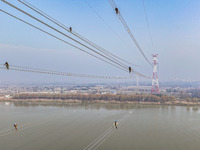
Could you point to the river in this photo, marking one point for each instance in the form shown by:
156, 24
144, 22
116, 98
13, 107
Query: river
57, 126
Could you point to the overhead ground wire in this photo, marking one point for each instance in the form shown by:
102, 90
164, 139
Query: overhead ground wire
116, 64
114, 6
62, 40
147, 20
114, 33
64, 34
107, 53
50, 72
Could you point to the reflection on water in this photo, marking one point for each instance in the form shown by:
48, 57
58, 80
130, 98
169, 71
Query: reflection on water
111, 106
85, 105
57, 125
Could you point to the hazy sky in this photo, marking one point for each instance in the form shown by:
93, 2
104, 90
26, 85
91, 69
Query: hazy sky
174, 24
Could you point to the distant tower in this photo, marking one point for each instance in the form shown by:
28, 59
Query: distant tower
155, 85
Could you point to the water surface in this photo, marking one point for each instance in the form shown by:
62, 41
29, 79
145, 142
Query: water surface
90, 126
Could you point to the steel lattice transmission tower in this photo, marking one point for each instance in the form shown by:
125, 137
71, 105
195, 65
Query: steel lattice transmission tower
155, 84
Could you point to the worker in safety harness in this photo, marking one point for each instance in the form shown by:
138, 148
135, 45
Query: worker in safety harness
15, 126
7, 65
116, 124
129, 69
117, 10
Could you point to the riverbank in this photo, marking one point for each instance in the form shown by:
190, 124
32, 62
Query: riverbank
174, 103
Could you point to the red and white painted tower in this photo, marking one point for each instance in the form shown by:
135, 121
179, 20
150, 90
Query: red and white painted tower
155, 85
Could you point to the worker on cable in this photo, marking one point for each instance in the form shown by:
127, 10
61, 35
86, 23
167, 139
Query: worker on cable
70, 29
116, 124
15, 126
130, 69
116, 10
7, 65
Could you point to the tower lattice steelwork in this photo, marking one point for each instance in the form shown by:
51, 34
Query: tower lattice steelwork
155, 84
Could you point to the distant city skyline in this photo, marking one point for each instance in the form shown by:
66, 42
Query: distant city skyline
174, 26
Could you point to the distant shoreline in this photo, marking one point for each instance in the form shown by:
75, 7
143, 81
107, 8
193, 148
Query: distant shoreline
175, 103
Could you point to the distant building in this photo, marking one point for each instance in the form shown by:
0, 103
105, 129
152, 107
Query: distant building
113, 92
7, 96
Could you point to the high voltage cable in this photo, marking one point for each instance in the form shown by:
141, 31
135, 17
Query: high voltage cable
62, 40
113, 5
113, 32
124, 68
112, 56
90, 6
50, 72
77, 35
145, 12
65, 34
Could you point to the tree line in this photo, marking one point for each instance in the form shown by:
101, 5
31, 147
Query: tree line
191, 95
93, 97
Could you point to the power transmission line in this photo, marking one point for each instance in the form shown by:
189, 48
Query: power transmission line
107, 53
62, 40
117, 63
145, 12
50, 72
123, 67
112, 31
113, 5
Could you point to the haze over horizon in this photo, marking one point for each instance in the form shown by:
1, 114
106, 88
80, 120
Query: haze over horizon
174, 27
